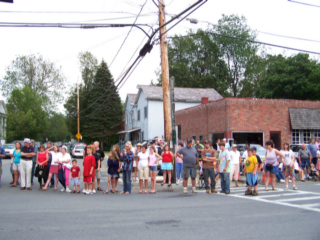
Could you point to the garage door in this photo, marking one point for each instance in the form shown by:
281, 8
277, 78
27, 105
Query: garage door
248, 137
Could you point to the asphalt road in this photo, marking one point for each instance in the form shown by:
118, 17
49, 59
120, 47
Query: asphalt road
164, 215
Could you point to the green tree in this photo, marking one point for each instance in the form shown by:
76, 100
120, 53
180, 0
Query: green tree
26, 117
37, 73
295, 77
57, 128
236, 53
88, 67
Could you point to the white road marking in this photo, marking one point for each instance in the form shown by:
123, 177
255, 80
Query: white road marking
298, 199
280, 195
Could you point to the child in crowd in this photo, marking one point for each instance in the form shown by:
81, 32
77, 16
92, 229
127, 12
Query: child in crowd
252, 175
89, 164
75, 176
153, 159
314, 171
113, 171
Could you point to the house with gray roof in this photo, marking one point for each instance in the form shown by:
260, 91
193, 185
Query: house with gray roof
144, 111
3, 121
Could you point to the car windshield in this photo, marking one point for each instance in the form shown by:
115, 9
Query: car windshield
8, 146
295, 148
80, 147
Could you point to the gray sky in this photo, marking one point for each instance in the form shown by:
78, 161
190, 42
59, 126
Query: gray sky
62, 46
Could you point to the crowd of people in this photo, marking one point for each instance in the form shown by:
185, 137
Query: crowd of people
53, 164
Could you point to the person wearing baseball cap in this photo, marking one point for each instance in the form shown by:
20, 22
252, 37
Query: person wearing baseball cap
235, 160
27, 153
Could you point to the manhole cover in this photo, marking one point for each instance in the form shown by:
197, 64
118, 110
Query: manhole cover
167, 190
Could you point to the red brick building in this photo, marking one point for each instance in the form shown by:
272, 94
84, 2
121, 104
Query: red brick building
251, 120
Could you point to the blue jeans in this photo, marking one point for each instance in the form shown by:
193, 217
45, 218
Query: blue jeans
279, 174
179, 170
32, 171
126, 181
209, 172
225, 181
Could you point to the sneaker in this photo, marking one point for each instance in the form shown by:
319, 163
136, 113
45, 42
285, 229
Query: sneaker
213, 191
89, 192
302, 180
68, 190
227, 192
222, 191
286, 188
194, 190
295, 188
85, 191
94, 191
185, 190
248, 192
207, 191
62, 190
255, 193
282, 181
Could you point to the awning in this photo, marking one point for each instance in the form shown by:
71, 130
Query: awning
304, 118
128, 131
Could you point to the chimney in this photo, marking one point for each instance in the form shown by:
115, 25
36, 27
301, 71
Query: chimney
204, 100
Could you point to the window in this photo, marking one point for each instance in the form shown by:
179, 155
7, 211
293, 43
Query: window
142, 136
145, 112
126, 119
201, 138
316, 134
130, 118
194, 138
179, 132
295, 137
138, 115
306, 136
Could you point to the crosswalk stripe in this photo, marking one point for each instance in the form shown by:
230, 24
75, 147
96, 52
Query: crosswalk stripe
280, 195
297, 199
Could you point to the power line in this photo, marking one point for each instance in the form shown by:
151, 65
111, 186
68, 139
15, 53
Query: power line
127, 34
307, 4
67, 12
283, 36
247, 40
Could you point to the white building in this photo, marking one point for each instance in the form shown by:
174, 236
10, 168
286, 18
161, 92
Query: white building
3, 121
144, 110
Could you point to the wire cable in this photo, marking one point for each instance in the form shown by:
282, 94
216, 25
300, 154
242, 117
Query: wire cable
306, 4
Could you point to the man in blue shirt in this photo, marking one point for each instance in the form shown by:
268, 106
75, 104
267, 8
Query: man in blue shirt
313, 149
2, 155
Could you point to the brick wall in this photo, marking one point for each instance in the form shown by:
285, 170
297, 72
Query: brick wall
240, 114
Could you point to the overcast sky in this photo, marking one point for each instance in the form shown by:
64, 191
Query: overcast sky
62, 46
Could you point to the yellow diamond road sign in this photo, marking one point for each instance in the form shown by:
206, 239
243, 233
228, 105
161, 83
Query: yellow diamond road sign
78, 135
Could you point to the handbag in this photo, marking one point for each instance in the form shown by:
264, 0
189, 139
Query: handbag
269, 166
36, 172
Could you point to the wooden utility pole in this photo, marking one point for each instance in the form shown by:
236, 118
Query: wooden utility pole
165, 75
78, 119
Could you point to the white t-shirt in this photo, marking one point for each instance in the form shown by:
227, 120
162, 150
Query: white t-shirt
143, 159
65, 157
318, 152
56, 157
245, 155
287, 156
234, 157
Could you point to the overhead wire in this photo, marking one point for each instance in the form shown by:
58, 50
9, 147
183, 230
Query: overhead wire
306, 4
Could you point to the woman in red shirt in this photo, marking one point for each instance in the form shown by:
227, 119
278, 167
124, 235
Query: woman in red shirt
89, 164
166, 165
42, 161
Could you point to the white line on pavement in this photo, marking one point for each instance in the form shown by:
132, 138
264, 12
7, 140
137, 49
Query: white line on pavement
297, 199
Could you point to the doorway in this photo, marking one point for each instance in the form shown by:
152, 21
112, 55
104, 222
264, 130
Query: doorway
275, 137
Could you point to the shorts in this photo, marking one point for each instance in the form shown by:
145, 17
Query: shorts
153, 168
314, 160
166, 166
75, 181
274, 170
134, 163
252, 180
98, 174
113, 176
143, 173
87, 179
15, 167
189, 172
11, 170
305, 162
54, 169
288, 171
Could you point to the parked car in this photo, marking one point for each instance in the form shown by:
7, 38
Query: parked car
77, 151
261, 151
9, 148
295, 149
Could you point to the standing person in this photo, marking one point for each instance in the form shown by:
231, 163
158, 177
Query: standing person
42, 161
89, 164
113, 170
235, 159
226, 144
208, 158
75, 176
2, 155
153, 159
179, 164
161, 148
166, 166
288, 165
251, 173
224, 167
272, 165
260, 165
216, 145
304, 157
127, 159
116, 148
100, 154
313, 149
189, 156
136, 152
143, 168
318, 143
34, 160
16, 163
66, 162
49, 151
199, 148
27, 153
54, 167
